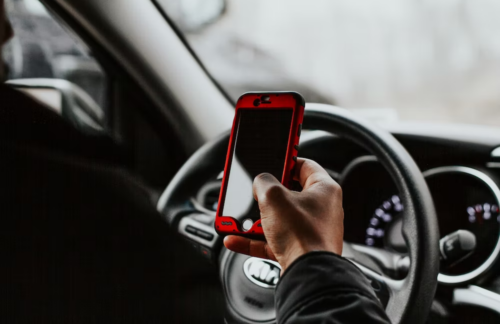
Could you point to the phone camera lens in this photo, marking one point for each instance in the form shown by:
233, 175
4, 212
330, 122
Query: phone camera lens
256, 102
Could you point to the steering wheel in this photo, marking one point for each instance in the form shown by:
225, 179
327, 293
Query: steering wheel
407, 300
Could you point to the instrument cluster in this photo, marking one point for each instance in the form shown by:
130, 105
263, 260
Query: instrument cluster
464, 198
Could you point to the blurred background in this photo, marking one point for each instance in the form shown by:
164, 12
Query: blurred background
386, 59
430, 60
42, 48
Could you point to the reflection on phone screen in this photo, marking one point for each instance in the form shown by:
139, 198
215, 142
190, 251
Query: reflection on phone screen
260, 145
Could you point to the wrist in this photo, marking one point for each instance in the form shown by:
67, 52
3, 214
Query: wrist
291, 255
296, 252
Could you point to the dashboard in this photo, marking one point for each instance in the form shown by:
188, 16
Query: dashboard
461, 166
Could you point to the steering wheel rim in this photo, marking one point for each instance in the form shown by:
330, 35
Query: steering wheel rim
410, 299
413, 296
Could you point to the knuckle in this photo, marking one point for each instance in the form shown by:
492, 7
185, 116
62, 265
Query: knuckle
307, 163
333, 186
310, 164
334, 189
274, 192
337, 188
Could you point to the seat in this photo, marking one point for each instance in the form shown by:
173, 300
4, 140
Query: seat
80, 238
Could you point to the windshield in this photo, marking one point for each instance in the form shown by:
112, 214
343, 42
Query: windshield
409, 60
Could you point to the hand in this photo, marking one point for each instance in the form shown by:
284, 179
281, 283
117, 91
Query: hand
295, 223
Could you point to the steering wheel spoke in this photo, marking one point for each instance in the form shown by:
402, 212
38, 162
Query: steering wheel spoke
197, 228
385, 288
395, 265
375, 265
192, 228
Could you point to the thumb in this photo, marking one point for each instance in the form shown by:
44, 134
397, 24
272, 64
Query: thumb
267, 190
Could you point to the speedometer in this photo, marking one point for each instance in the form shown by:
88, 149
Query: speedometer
483, 213
384, 220
467, 199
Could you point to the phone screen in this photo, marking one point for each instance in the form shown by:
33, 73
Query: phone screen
260, 145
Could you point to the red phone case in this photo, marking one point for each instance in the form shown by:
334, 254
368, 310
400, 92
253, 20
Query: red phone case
225, 225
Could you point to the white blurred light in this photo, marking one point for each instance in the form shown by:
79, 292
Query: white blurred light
398, 207
36, 7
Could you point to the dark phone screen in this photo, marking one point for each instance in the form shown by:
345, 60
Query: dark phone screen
260, 145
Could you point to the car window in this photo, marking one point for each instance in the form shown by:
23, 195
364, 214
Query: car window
42, 48
412, 60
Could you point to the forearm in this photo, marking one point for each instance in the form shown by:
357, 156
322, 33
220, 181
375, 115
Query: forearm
323, 287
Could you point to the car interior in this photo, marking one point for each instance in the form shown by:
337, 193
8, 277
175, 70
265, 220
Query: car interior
108, 216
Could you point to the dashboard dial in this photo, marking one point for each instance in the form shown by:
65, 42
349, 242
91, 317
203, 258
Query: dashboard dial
467, 199
383, 223
464, 199
483, 213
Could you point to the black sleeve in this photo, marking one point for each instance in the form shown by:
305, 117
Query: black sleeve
322, 287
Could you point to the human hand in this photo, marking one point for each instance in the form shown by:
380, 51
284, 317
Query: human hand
295, 223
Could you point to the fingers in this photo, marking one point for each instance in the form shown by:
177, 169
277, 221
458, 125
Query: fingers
266, 187
309, 172
267, 190
250, 247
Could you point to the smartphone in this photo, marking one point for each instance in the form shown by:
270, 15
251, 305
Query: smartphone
264, 138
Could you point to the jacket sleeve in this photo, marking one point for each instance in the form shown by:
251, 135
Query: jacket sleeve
322, 287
